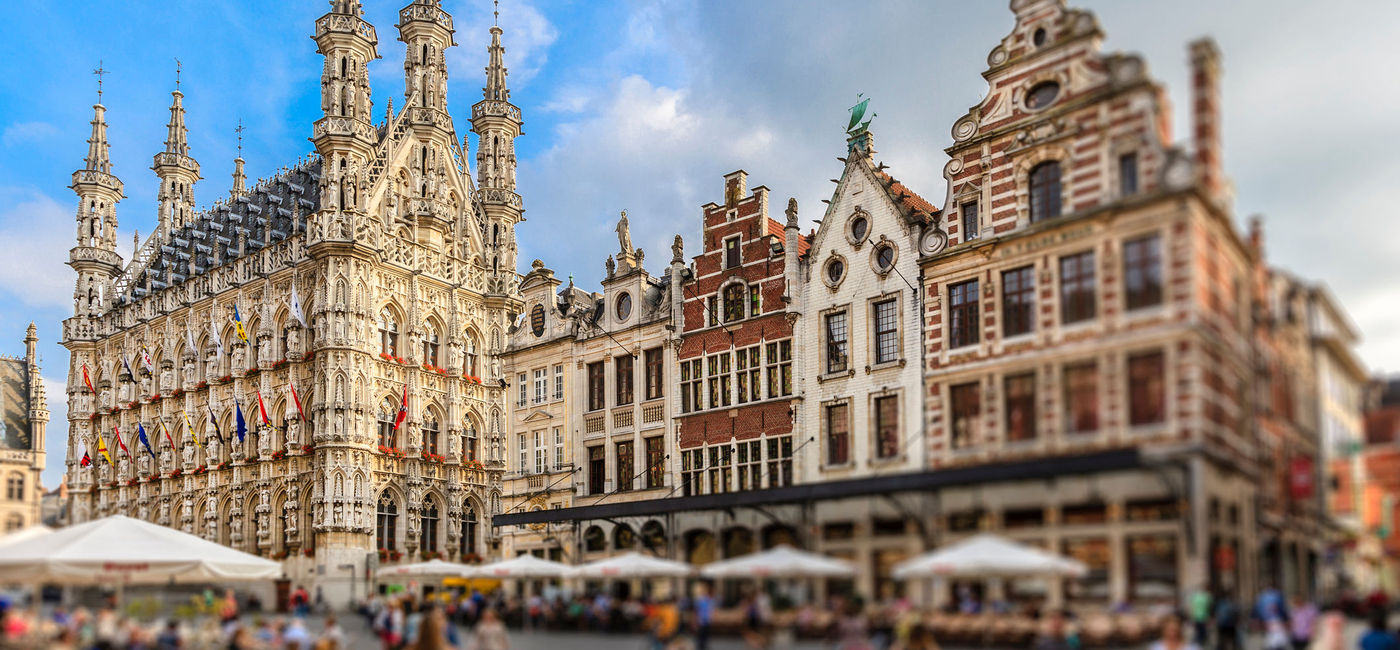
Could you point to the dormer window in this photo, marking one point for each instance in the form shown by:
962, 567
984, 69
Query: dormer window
624, 306
731, 253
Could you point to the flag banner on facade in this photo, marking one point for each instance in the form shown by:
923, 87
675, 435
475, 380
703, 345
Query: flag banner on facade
218, 340
189, 342
120, 443
146, 360
240, 427
238, 325
214, 424
141, 435
87, 460
403, 409
296, 399
262, 411
166, 430
189, 430
296, 307
87, 381
102, 449
128, 367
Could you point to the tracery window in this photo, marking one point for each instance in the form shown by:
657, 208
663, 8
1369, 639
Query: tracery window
430, 431
430, 344
386, 523
468, 539
388, 333
734, 302
387, 436
428, 527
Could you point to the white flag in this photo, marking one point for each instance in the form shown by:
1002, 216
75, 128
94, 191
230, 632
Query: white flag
296, 307
214, 328
189, 341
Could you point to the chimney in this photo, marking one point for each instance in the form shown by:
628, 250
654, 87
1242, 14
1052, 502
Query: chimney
736, 187
1205, 115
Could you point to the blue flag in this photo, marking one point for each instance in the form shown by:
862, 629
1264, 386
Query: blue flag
141, 435
241, 426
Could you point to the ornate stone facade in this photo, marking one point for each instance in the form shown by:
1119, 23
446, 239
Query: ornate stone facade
24, 420
371, 271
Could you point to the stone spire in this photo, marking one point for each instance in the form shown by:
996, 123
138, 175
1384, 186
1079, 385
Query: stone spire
497, 123
240, 180
99, 156
176, 169
95, 256
426, 31
496, 68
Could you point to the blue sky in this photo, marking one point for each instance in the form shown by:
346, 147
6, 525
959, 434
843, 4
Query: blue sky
643, 105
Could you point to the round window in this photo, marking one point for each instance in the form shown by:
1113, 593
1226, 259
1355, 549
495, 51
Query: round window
884, 257
1042, 94
835, 270
860, 227
624, 306
1039, 37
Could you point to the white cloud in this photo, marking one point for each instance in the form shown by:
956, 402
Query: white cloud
22, 132
528, 35
32, 221
56, 439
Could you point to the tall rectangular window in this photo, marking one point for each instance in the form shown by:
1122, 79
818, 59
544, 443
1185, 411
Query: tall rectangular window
656, 461
1017, 301
692, 387
837, 343
887, 426
1078, 300
838, 434
967, 414
1147, 388
748, 465
1044, 190
780, 368
755, 300
1142, 272
711, 311
721, 468
656, 372
559, 382
626, 466
720, 378
522, 381
749, 375
779, 461
541, 453
596, 386
886, 317
963, 314
524, 465
622, 369
693, 471
1082, 397
558, 447
731, 253
1020, 407
1128, 174
541, 385
969, 220
597, 468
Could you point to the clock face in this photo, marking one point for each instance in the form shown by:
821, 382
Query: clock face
624, 306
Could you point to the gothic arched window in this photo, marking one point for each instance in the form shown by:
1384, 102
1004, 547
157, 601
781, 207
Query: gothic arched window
428, 524
468, 539
430, 433
387, 436
388, 333
386, 523
470, 368
733, 302
430, 344
1045, 191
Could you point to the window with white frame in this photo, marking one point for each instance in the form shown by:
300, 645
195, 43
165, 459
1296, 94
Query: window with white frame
885, 316
748, 465
779, 461
541, 385
541, 453
522, 382
558, 447
721, 468
719, 374
693, 471
559, 381
692, 385
524, 453
749, 367
779, 368
837, 342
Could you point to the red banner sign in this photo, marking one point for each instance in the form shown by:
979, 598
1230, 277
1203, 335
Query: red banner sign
1300, 478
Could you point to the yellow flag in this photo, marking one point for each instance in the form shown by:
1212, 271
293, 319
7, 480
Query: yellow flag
102, 449
190, 430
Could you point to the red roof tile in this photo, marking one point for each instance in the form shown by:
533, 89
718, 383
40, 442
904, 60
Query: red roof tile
905, 197
776, 229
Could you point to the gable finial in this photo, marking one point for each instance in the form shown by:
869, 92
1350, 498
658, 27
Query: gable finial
177, 74
497, 12
239, 130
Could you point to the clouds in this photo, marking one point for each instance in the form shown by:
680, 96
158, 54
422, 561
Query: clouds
31, 221
28, 133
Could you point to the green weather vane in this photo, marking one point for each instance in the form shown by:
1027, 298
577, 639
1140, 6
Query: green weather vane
857, 127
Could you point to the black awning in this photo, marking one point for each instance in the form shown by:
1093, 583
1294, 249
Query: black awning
1039, 468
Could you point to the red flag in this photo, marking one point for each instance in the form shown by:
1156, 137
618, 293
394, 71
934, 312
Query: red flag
120, 443
88, 381
87, 460
262, 411
296, 399
403, 409
167, 433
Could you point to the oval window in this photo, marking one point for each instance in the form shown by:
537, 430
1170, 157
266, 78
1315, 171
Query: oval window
624, 306
835, 270
884, 257
1042, 95
860, 226
1039, 37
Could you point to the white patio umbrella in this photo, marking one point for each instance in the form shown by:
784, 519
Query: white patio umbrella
987, 556
779, 562
431, 568
633, 565
522, 566
123, 550
23, 534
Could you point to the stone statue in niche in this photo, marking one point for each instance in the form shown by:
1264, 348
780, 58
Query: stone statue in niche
187, 451
211, 448
265, 349
211, 366
145, 384
293, 432
167, 379
165, 511
106, 399
239, 358
164, 458
189, 371
294, 342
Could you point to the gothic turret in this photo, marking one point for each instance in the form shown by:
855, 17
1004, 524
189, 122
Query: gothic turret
176, 169
497, 123
240, 179
344, 136
95, 256
426, 31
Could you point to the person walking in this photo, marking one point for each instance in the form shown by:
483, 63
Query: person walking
1054, 636
1200, 616
1378, 637
704, 613
1302, 620
1330, 632
490, 634
1174, 636
1227, 623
